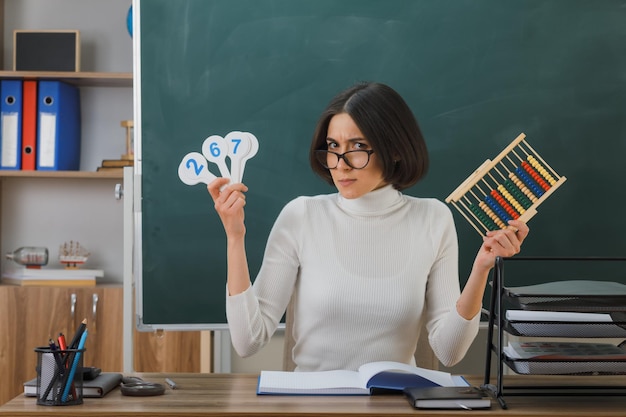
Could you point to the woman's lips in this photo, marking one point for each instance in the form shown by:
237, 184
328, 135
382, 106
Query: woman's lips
345, 182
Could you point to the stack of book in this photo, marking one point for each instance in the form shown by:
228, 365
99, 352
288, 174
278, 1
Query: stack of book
96, 388
51, 277
115, 164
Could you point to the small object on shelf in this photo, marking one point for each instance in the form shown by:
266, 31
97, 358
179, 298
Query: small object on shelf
128, 125
129, 21
115, 164
126, 160
72, 255
29, 256
46, 50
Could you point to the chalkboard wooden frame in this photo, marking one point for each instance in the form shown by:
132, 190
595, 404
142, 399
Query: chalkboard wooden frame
477, 73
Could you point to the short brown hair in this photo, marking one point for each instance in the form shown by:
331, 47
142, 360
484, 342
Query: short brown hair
387, 123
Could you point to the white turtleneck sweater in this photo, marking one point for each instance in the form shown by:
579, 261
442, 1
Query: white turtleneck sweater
366, 273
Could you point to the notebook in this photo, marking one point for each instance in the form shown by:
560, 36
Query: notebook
466, 398
95, 388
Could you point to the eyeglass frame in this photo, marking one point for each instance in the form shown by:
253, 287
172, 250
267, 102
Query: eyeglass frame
369, 153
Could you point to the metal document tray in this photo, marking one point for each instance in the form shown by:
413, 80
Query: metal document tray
573, 295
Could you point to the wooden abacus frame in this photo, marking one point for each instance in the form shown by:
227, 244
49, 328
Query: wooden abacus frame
525, 187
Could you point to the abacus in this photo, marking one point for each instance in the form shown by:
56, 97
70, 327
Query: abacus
511, 186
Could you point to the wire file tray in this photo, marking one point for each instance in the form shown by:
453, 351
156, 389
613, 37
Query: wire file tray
606, 299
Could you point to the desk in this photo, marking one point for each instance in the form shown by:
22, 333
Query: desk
235, 395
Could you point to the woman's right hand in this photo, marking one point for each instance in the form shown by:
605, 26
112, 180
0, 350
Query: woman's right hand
229, 200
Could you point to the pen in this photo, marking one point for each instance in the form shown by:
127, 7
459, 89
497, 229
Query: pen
61, 340
63, 347
171, 383
57, 356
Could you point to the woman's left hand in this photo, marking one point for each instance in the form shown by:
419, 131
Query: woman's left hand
504, 243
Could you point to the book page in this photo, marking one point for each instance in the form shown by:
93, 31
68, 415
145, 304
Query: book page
368, 370
306, 381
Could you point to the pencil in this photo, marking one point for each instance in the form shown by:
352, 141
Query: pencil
78, 334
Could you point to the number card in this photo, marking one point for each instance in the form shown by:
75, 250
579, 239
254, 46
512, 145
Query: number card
237, 147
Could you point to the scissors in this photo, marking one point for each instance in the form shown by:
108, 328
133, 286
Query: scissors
136, 387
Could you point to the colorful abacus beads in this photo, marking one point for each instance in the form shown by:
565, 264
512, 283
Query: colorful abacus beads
488, 202
545, 174
535, 175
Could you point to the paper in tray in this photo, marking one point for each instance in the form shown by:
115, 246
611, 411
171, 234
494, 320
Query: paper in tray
572, 295
533, 367
565, 324
536, 329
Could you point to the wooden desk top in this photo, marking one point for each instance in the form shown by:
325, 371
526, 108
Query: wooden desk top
235, 395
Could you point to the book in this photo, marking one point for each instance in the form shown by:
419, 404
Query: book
370, 378
94, 388
108, 163
31, 282
51, 277
110, 169
466, 398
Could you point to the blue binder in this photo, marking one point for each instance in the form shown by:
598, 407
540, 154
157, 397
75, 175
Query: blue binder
11, 124
58, 133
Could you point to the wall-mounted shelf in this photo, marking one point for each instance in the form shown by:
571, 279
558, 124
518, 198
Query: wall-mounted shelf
83, 79
62, 174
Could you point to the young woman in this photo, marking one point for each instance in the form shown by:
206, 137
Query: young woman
366, 266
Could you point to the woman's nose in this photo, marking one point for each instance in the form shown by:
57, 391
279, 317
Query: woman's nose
342, 160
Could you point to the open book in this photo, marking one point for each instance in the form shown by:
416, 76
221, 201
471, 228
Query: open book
369, 378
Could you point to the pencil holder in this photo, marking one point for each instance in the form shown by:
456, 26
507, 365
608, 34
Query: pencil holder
59, 376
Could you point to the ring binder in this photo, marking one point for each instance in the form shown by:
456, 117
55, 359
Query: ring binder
11, 124
58, 134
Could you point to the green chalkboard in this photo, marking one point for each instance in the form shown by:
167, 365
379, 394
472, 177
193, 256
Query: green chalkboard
477, 73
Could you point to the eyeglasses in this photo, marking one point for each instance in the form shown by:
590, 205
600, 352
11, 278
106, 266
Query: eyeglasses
357, 159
